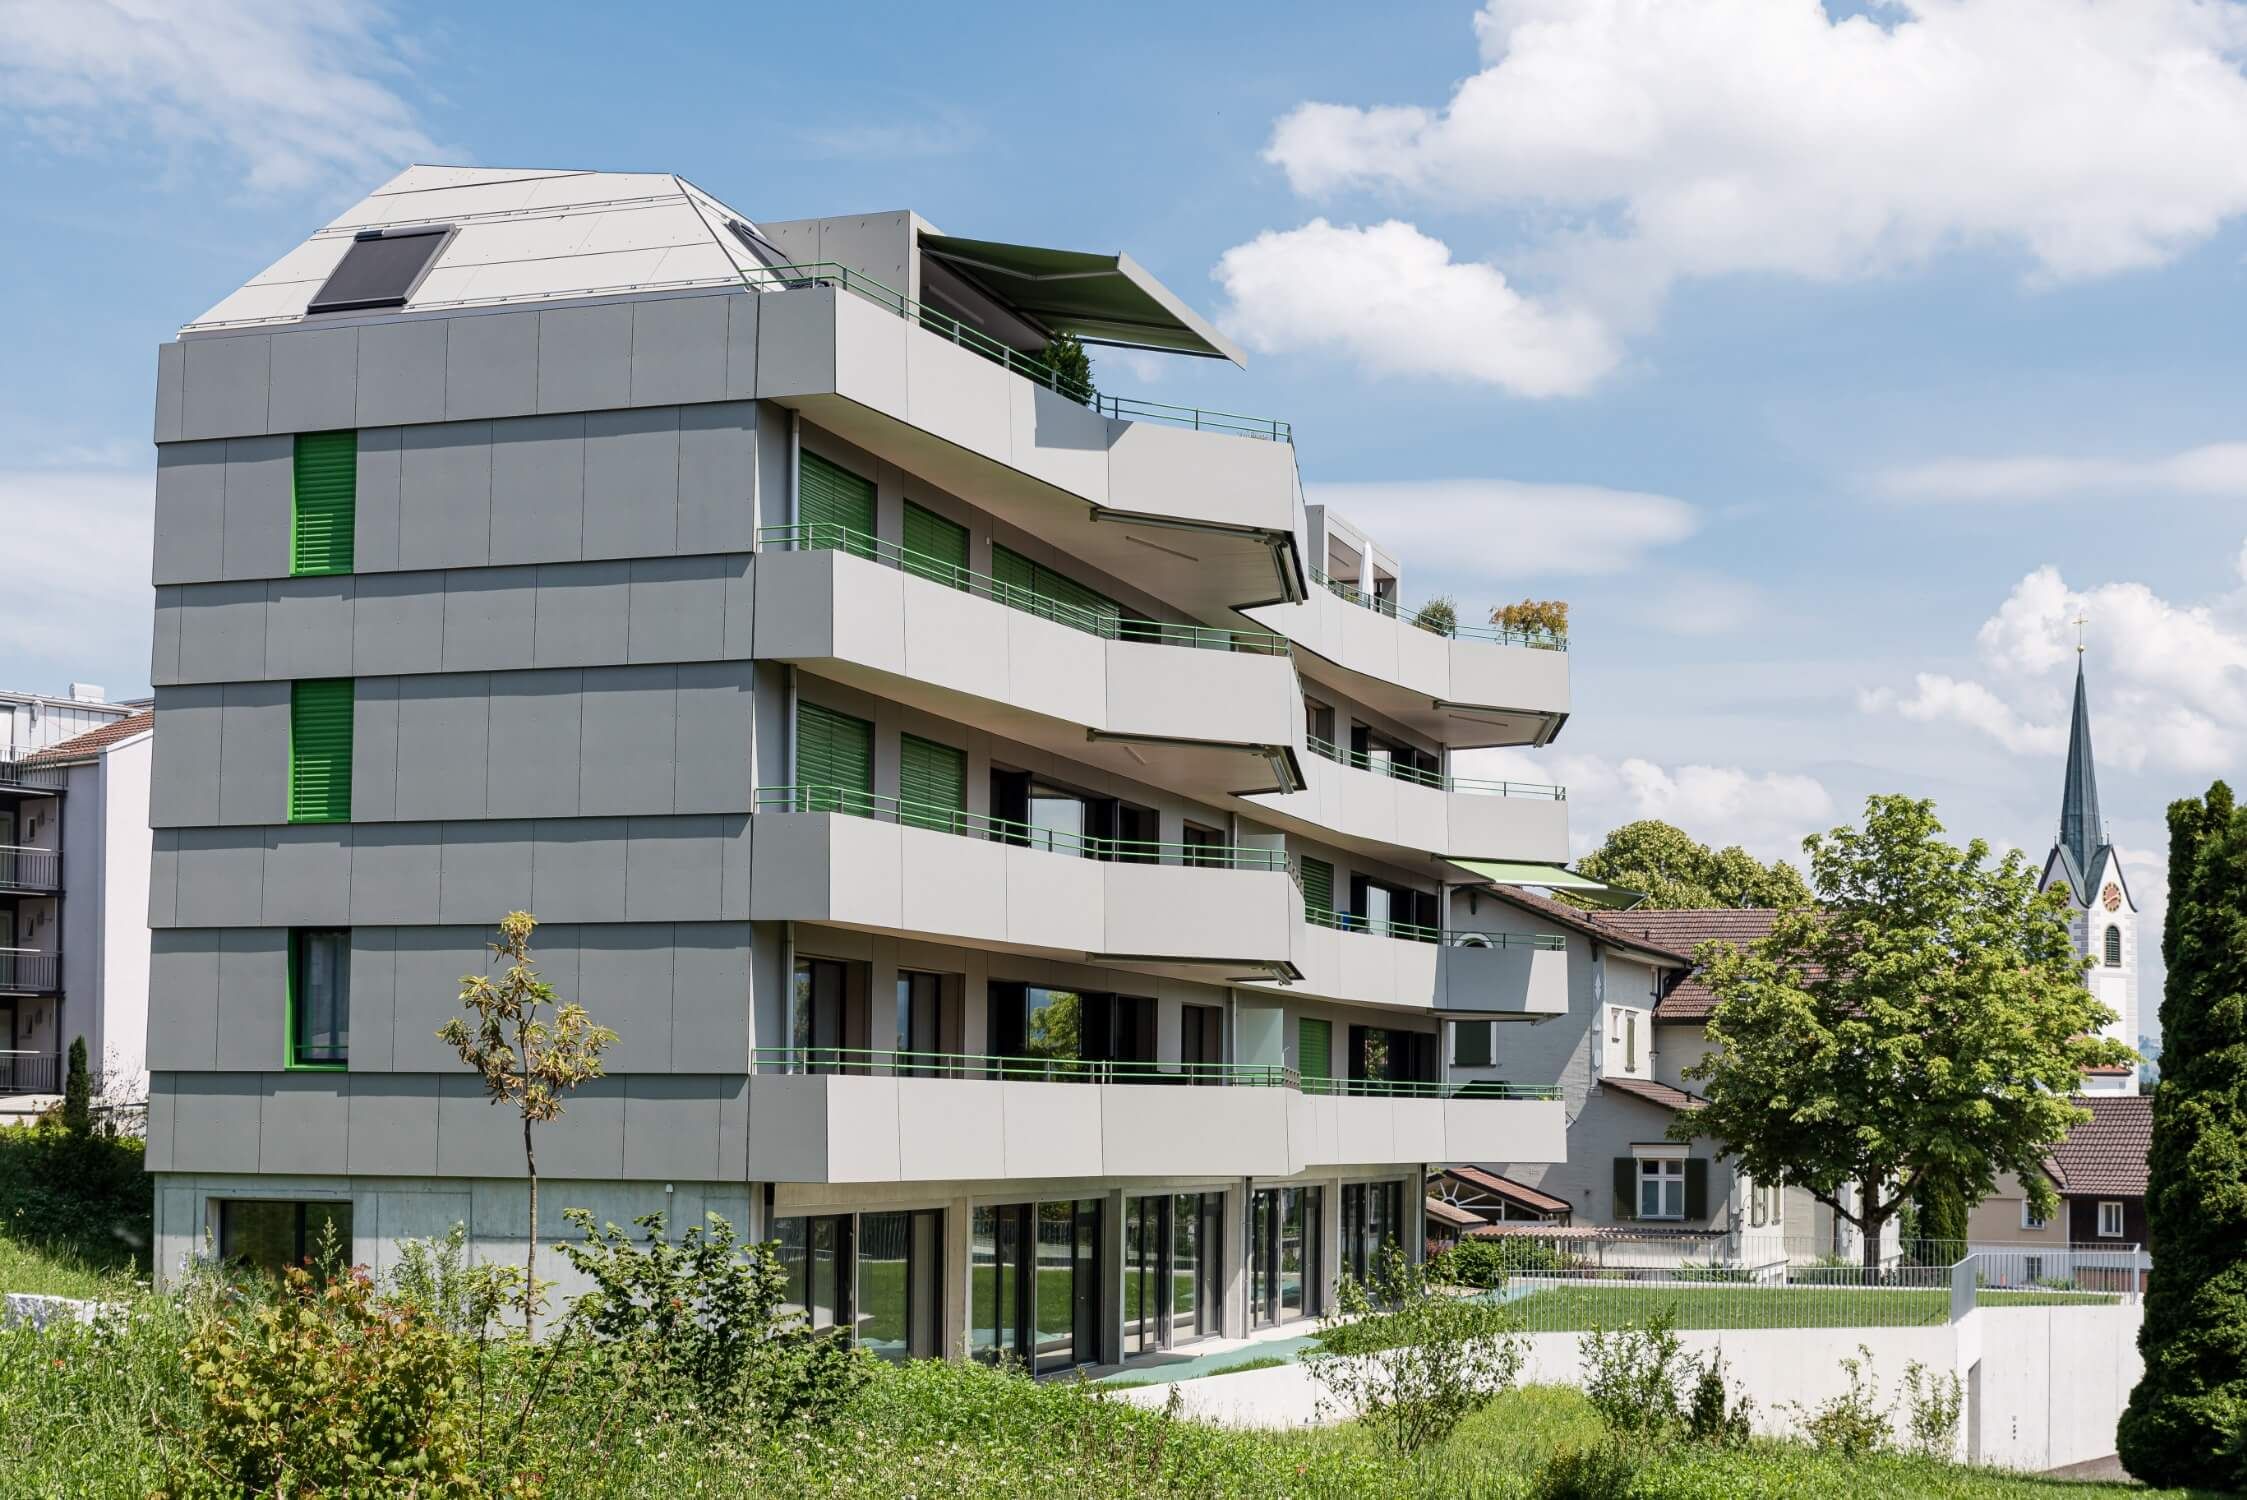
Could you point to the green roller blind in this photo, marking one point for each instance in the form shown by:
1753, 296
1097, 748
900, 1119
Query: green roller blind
1318, 887
1314, 1048
829, 495
325, 502
1019, 573
935, 548
320, 751
834, 761
932, 782
1470, 1044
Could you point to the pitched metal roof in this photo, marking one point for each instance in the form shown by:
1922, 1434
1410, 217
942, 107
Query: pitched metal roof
1520, 1194
2082, 834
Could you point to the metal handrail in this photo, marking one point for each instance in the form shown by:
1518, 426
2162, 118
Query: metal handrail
29, 969
858, 804
1536, 640
795, 276
826, 536
1472, 785
865, 1061
27, 867
15, 773
1449, 937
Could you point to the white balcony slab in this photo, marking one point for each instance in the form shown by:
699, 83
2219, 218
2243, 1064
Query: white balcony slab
1394, 973
1371, 809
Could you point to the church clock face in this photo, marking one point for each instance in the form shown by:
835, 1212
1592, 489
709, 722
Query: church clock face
2111, 897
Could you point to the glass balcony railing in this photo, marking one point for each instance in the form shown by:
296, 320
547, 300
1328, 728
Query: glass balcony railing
859, 804
1439, 622
1472, 785
796, 276
879, 1062
822, 536
1413, 932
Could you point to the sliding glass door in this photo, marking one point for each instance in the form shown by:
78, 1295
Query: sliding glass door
874, 1278
1035, 1273
1283, 1255
1372, 1218
1171, 1282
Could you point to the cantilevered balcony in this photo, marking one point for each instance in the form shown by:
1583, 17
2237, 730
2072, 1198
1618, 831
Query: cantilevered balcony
26, 871
1203, 711
835, 1116
1404, 966
26, 971
1197, 508
849, 859
1382, 806
18, 779
1461, 685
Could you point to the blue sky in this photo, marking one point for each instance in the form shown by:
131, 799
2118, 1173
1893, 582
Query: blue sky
1826, 362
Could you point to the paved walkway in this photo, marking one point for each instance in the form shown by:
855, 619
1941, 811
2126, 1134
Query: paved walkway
1193, 1364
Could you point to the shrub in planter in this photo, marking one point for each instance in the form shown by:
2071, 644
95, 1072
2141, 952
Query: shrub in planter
1533, 617
1440, 615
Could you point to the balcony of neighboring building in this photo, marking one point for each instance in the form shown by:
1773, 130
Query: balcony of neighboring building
857, 1116
1460, 684
29, 973
1203, 711
22, 778
1198, 507
29, 871
849, 858
1385, 802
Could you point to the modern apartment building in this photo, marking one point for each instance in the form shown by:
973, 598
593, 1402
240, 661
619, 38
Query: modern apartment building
74, 856
1011, 832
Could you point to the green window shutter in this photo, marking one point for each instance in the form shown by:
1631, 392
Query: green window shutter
834, 761
1626, 1187
1318, 890
836, 505
932, 781
320, 751
1470, 1044
1055, 596
1696, 1190
935, 549
325, 502
1314, 1048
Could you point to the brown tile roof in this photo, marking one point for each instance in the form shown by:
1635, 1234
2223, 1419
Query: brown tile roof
1575, 919
80, 746
1454, 1215
1520, 1194
1656, 1093
2106, 1155
1689, 999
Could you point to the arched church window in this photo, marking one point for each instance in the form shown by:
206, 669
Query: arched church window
2114, 947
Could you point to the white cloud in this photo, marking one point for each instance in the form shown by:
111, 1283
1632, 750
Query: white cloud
1648, 141
78, 547
1503, 529
1395, 300
2218, 469
298, 91
1768, 813
2169, 680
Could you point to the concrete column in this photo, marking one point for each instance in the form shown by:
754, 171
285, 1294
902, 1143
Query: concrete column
1416, 1216
1235, 1260
1111, 1278
1330, 1241
959, 1275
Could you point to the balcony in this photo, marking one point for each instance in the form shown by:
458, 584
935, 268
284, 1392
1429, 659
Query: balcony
1380, 807
1204, 711
29, 872
923, 1117
1461, 975
30, 1073
1197, 508
849, 859
25, 971
20, 779
1465, 686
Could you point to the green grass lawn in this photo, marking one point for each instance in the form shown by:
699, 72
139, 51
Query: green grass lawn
1616, 1304
59, 1273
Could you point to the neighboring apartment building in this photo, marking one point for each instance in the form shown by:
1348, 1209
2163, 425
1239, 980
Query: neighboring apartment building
74, 855
1020, 887
1635, 1024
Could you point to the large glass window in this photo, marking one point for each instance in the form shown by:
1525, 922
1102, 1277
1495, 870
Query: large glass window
814, 1252
1372, 1217
997, 1236
1057, 820
1067, 1026
1035, 1283
320, 999
1171, 1278
920, 1022
270, 1233
900, 1291
816, 1009
1284, 1273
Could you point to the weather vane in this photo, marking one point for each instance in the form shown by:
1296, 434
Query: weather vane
2079, 622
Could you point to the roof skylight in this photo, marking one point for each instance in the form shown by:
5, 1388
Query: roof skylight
381, 269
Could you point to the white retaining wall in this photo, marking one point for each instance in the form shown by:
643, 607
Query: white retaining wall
2052, 1382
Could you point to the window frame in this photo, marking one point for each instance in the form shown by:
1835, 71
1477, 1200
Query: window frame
2030, 1218
2121, 1221
1666, 1172
293, 1059
2113, 946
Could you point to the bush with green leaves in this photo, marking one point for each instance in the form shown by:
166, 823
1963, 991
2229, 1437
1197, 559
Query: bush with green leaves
1439, 615
1932, 1403
1487, 1260
89, 1191
1854, 1423
1409, 1360
1633, 1376
697, 1330
1714, 1411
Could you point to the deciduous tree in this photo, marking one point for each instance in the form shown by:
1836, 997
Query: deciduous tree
1675, 871
1927, 1016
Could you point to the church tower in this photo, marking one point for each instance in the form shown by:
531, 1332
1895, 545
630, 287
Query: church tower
2102, 915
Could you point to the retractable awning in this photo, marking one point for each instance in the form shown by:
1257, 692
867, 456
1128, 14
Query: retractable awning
1552, 878
1102, 299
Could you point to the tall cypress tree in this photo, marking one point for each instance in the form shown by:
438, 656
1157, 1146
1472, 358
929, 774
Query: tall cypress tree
2182, 1426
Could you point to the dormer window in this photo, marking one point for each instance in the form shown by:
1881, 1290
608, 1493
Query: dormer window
381, 269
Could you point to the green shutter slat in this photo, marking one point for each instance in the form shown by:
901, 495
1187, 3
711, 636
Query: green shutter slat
1062, 597
320, 751
1314, 1048
829, 495
935, 549
324, 508
834, 761
1626, 1187
1696, 1190
932, 782
1318, 887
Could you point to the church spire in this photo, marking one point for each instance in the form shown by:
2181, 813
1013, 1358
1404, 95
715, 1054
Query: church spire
2081, 832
